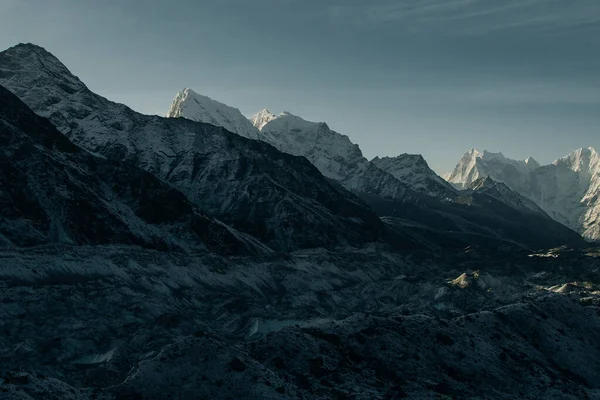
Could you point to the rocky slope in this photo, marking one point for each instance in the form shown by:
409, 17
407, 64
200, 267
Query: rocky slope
568, 189
119, 322
414, 170
51, 191
247, 184
500, 192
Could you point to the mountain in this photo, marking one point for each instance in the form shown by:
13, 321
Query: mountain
406, 191
474, 165
334, 155
52, 191
488, 213
196, 107
262, 118
522, 219
568, 190
247, 184
414, 170
499, 191
331, 152
413, 201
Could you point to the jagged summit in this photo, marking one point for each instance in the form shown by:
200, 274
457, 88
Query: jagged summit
568, 189
191, 105
530, 161
34, 58
262, 118
583, 158
57, 193
475, 164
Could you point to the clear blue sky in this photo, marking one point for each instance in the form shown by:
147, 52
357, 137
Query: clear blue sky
434, 77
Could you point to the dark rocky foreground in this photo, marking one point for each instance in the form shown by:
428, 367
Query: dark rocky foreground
126, 323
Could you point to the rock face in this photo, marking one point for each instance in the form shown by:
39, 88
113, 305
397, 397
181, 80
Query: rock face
247, 184
414, 170
196, 107
500, 192
568, 190
51, 191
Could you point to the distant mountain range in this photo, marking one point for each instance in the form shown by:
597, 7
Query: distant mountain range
568, 189
403, 190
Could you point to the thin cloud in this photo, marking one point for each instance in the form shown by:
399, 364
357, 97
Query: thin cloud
474, 17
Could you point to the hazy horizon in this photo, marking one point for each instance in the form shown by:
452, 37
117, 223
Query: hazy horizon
431, 77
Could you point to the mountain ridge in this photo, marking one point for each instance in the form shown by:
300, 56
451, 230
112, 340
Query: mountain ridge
52, 191
567, 189
404, 191
245, 183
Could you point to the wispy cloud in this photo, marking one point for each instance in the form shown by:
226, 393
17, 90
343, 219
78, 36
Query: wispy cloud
473, 17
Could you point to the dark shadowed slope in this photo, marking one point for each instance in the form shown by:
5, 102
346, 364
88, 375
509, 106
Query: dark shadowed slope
281, 199
51, 191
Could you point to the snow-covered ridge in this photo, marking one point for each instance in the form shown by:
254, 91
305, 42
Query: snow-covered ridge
334, 154
475, 164
191, 105
568, 189
414, 170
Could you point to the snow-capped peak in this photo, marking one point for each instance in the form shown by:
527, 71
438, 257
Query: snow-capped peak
567, 190
531, 162
191, 105
475, 164
473, 152
262, 118
586, 159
